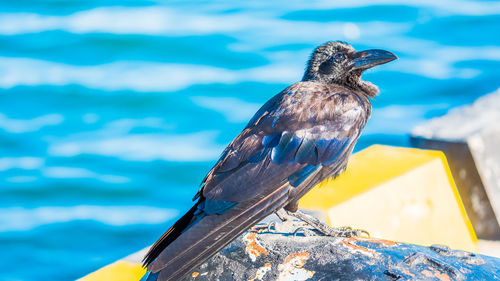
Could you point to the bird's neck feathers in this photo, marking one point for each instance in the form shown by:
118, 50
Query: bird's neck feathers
353, 82
368, 88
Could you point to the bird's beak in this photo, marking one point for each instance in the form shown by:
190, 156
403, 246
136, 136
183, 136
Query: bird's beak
370, 58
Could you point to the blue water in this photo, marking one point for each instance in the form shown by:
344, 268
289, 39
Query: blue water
111, 112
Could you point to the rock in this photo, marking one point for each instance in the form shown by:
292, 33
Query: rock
265, 254
470, 137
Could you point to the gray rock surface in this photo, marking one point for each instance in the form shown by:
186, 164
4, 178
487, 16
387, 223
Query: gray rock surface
264, 253
470, 138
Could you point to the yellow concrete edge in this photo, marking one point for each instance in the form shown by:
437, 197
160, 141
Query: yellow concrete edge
354, 181
117, 271
468, 223
320, 197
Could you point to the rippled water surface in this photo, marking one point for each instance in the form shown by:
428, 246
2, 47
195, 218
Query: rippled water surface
111, 112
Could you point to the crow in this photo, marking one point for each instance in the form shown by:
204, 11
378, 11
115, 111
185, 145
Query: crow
298, 138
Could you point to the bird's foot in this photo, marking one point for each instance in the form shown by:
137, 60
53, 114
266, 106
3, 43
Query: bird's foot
327, 230
347, 232
283, 215
287, 224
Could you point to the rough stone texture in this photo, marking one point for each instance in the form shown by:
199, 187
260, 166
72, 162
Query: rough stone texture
470, 137
265, 253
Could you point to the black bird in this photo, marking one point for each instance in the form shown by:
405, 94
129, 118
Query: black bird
298, 138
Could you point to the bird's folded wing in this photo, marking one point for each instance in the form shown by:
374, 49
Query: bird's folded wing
295, 132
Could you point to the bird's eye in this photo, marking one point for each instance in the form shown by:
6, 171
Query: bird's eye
339, 57
327, 66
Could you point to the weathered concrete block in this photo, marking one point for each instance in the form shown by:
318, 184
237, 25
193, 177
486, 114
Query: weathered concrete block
261, 254
470, 137
274, 253
401, 194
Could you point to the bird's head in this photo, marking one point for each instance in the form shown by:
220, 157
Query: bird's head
339, 63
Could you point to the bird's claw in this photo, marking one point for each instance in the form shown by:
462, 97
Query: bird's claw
343, 228
271, 227
305, 231
348, 232
362, 231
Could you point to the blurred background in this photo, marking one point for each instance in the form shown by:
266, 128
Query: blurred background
111, 112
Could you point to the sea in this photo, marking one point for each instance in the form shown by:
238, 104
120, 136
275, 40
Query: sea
112, 112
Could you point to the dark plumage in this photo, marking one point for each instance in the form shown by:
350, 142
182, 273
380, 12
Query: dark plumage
301, 136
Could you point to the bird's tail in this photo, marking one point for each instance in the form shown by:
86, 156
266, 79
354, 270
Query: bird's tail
208, 235
169, 236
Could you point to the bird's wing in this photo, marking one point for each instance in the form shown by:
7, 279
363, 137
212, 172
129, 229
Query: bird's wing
299, 129
283, 148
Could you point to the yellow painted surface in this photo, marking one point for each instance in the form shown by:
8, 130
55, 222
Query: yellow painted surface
118, 271
396, 193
